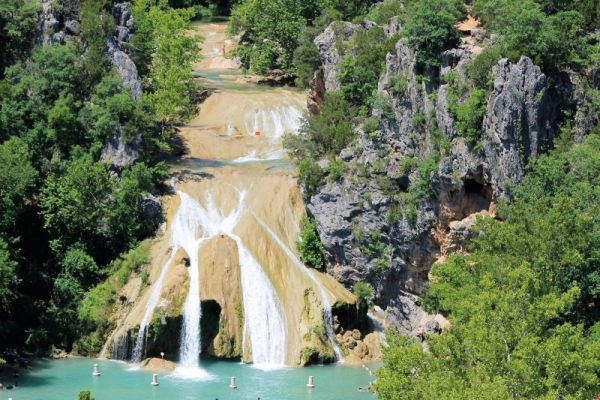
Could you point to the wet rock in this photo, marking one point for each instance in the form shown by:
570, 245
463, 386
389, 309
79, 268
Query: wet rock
275, 77
152, 210
361, 350
154, 364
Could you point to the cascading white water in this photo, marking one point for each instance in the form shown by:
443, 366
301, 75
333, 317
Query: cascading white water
263, 317
264, 322
327, 315
187, 234
274, 122
140, 341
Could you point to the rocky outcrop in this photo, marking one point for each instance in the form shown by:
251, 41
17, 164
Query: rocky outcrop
518, 124
57, 23
117, 151
316, 95
120, 154
367, 234
219, 257
125, 67
330, 54
119, 58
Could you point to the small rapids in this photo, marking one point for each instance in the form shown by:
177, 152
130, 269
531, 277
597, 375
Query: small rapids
274, 122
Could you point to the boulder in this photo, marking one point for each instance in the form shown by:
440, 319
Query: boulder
125, 67
72, 27
119, 153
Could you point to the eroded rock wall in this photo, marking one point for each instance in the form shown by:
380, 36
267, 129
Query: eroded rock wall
355, 212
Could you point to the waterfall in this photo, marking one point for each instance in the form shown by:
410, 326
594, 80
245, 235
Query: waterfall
263, 317
140, 341
264, 320
187, 232
274, 122
327, 315
120, 348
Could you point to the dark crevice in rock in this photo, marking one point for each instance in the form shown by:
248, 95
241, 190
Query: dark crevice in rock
209, 323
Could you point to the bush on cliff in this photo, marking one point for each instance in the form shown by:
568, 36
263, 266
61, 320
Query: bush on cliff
309, 245
430, 30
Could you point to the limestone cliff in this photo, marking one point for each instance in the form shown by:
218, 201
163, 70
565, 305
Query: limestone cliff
357, 213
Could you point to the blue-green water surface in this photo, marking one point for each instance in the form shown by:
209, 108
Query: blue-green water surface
64, 379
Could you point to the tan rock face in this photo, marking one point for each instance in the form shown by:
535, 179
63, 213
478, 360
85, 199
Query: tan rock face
220, 281
154, 364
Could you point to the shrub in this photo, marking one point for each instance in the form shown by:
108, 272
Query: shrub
93, 308
309, 245
398, 84
336, 169
363, 290
358, 83
386, 10
370, 125
326, 133
469, 115
430, 30
85, 395
310, 176
479, 69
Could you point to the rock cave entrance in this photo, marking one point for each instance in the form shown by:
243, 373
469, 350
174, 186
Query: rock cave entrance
209, 323
477, 195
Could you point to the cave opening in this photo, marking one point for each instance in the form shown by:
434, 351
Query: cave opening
477, 195
209, 322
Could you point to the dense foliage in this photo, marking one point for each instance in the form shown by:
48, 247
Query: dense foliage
65, 213
547, 31
430, 30
273, 29
523, 304
309, 245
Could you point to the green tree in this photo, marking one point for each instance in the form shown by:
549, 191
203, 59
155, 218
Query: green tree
271, 29
113, 112
326, 133
33, 88
97, 23
17, 181
164, 46
18, 24
8, 280
309, 245
74, 204
430, 30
